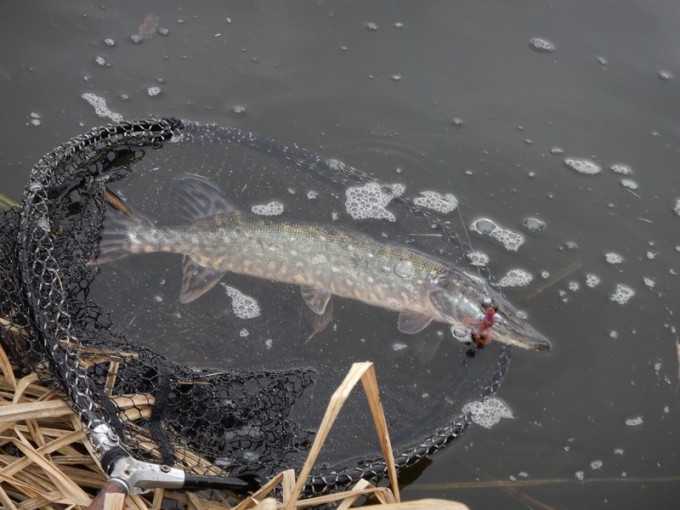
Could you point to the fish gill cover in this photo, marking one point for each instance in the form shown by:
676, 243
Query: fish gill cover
235, 379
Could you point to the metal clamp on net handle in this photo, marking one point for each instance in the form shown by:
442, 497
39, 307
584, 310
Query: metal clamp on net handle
137, 477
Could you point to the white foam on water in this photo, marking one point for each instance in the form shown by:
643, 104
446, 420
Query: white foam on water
516, 278
592, 280
273, 208
583, 166
621, 169
488, 412
244, 306
613, 258
635, 421
510, 240
371, 200
622, 294
100, 107
442, 203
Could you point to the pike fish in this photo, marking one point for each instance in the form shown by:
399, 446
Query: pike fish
216, 237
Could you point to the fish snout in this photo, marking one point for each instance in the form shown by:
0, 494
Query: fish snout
516, 331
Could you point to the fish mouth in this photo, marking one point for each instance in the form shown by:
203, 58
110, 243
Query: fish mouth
518, 333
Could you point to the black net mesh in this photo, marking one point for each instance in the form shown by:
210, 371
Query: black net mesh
210, 386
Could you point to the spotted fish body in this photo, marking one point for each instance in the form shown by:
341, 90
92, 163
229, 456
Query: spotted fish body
323, 260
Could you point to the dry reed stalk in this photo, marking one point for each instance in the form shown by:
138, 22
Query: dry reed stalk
58, 468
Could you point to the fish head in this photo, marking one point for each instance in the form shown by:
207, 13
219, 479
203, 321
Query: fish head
510, 326
464, 299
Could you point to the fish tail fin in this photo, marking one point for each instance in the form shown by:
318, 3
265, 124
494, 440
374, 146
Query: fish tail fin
115, 242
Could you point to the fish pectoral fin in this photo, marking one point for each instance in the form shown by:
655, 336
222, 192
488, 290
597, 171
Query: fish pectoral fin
442, 304
410, 322
317, 299
194, 198
196, 280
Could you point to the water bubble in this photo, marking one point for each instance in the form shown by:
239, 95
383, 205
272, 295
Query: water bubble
153, 91
269, 343
516, 278
399, 346
335, 164
371, 26
158, 298
398, 24
629, 183
596, 464
136, 39
273, 208
100, 107
622, 294
634, 421
396, 77
510, 240
534, 225
613, 258
556, 150
583, 166
244, 333
109, 42
457, 121
665, 75
579, 475
460, 332
618, 451
164, 31
311, 194
238, 109
677, 206
100, 61
488, 412
244, 306
436, 201
603, 61
621, 168
370, 201
573, 286
477, 258
592, 280
541, 45
34, 119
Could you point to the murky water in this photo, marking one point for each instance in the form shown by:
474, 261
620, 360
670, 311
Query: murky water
562, 115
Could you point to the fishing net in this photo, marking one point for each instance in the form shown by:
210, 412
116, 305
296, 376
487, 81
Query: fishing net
236, 381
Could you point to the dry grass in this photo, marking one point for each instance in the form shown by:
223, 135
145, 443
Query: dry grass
46, 460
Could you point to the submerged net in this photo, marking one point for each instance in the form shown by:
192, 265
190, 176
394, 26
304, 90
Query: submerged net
231, 383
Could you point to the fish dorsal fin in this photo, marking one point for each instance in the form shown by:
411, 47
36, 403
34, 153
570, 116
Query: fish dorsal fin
193, 199
411, 322
317, 299
196, 280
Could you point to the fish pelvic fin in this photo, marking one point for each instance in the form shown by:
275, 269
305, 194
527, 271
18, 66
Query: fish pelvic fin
193, 199
115, 242
196, 280
316, 299
410, 322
